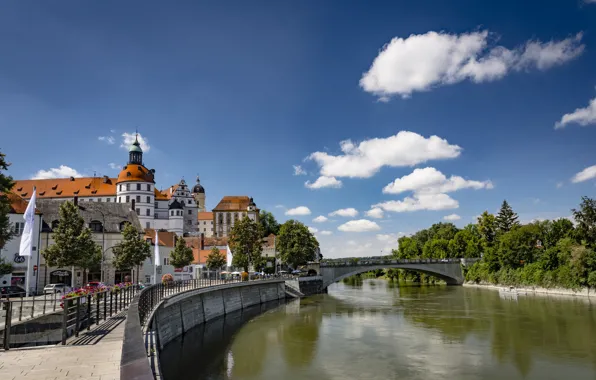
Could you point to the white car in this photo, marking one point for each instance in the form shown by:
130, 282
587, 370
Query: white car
56, 288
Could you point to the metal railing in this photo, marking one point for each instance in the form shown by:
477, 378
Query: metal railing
370, 261
77, 313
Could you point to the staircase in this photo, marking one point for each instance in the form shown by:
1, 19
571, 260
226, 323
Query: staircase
293, 289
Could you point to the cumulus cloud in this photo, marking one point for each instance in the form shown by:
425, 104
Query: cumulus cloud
386, 237
376, 213
107, 139
297, 211
298, 170
582, 116
584, 175
452, 217
324, 181
320, 219
313, 230
365, 159
360, 225
129, 138
114, 166
423, 61
430, 180
345, 212
62, 171
419, 202
326, 232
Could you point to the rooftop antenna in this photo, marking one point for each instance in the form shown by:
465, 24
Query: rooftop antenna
94, 173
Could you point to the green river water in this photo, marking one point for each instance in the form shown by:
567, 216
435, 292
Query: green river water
378, 330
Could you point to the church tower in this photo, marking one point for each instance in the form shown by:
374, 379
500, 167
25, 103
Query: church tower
198, 192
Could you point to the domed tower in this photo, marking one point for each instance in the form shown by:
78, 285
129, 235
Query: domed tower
136, 184
198, 192
176, 210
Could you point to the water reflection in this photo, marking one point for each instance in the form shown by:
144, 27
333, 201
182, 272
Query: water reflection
377, 330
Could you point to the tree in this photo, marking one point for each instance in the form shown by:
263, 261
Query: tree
5, 268
73, 245
296, 244
132, 251
246, 243
215, 260
466, 243
518, 246
6, 184
436, 249
506, 219
407, 248
182, 255
586, 221
268, 223
487, 227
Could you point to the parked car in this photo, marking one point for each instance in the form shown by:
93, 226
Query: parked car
12, 291
55, 288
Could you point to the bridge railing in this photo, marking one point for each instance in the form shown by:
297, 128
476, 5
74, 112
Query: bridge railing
368, 261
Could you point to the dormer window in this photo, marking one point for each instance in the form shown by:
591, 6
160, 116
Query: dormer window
96, 226
123, 225
55, 224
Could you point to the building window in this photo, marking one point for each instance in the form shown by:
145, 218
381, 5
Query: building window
138, 199
156, 205
189, 222
19, 227
148, 212
138, 211
120, 187
172, 213
166, 261
147, 225
90, 199
204, 230
107, 199
138, 186
99, 199
148, 199
127, 198
148, 187
189, 212
127, 186
189, 201
96, 226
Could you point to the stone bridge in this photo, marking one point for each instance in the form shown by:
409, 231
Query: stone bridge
448, 270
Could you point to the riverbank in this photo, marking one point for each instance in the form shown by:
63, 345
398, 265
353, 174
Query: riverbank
584, 292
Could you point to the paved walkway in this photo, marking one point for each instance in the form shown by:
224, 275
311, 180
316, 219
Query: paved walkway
94, 355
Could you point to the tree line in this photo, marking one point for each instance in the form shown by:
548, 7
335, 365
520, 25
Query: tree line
548, 253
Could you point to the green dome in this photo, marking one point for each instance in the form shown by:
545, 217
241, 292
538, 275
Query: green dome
136, 146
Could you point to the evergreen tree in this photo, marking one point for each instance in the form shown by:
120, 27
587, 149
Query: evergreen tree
73, 245
182, 255
6, 184
268, 223
132, 251
246, 243
215, 260
296, 244
506, 219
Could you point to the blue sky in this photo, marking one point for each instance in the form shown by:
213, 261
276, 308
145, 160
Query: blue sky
240, 92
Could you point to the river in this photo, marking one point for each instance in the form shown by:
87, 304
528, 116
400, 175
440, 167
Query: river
379, 330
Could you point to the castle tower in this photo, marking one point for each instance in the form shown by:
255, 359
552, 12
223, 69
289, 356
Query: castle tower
198, 192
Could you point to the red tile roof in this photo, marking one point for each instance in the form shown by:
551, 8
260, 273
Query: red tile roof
135, 173
17, 204
233, 203
166, 238
200, 256
66, 187
205, 215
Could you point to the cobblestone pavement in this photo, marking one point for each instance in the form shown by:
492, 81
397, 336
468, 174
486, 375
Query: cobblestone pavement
94, 355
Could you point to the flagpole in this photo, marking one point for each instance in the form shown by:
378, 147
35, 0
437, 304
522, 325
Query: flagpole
27, 277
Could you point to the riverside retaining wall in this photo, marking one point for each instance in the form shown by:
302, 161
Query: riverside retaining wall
181, 312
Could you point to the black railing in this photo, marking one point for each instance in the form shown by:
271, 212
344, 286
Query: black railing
77, 313
367, 261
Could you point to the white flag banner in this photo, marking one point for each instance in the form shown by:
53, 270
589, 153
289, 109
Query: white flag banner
157, 259
27, 237
228, 256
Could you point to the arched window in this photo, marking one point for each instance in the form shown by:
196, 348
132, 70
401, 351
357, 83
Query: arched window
96, 226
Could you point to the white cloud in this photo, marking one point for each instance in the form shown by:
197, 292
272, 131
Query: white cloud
420, 202
320, 219
361, 225
431, 181
351, 242
369, 156
62, 171
313, 230
584, 175
300, 210
376, 213
386, 237
326, 232
345, 212
114, 166
423, 61
452, 217
324, 181
582, 116
108, 139
279, 206
298, 170
560, 184
129, 138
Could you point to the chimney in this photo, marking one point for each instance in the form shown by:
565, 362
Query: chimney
202, 246
76, 200
133, 205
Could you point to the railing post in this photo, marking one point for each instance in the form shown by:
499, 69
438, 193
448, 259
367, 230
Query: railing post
77, 316
32, 306
88, 312
7, 325
65, 320
21, 310
111, 297
105, 305
97, 309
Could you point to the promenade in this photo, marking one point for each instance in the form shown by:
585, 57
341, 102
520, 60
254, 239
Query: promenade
94, 355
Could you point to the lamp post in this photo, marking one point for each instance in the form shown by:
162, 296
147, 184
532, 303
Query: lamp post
103, 243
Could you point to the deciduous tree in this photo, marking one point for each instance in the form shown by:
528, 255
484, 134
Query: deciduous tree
215, 260
487, 227
585, 217
132, 251
296, 244
246, 243
182, 255
6, 184
268, 223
